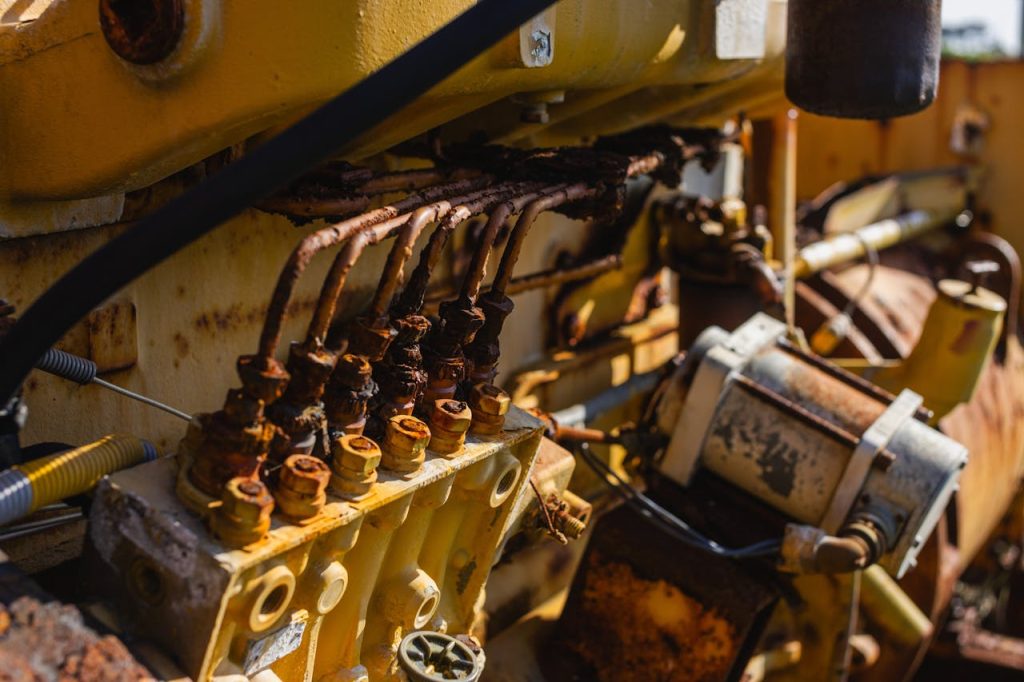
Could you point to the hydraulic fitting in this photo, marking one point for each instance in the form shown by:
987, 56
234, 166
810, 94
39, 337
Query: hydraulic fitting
449, 421
235, 443
443, 354
243, 517
299, 413
302, 486
489, 405
354, 461
348, 394
405, 444
371, 337
401, 375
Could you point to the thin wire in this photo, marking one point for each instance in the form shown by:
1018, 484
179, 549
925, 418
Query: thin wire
872, 255
142, 399
668, 521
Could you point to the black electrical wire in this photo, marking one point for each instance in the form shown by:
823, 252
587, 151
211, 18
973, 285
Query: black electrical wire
669, 522
271, 166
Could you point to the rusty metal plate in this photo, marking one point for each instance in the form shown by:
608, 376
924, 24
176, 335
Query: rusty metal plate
647, 607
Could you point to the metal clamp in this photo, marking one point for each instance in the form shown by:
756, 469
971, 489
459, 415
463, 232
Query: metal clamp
720, 362
874, 439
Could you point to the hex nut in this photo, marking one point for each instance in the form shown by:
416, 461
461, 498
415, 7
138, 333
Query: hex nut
354, 461
405, 443
449, 421
302, 487
490, 404
244, 515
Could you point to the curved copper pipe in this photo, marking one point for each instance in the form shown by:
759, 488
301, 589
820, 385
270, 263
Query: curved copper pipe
510, 255
415, 290
398, 256
335, 234
335, 280
478, 265
315, 207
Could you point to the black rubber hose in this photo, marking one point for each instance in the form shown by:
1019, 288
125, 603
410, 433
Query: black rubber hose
271, 166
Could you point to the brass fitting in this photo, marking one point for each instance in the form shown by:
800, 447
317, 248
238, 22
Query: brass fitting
449, 421
490, 404
302, 487
354, 461
244, 514
405, 444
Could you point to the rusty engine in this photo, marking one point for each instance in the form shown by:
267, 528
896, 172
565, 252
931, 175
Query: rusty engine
456, 340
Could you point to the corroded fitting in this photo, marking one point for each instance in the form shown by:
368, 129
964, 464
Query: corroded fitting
354, 461
405, 444
302, 487
449, 421
371, 338
244, 515
348, 393
490, 404
234, 444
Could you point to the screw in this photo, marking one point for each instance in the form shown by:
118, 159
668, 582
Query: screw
541, 51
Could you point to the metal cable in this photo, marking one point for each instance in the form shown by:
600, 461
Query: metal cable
669, 522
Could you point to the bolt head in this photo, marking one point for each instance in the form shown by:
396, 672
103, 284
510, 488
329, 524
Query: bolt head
247, 499
305, 474
406, 435
449, 415
356, 453
490, 400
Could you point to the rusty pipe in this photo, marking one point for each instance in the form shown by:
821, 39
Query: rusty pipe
543, 279
330, 236
510, 255
400, 253
412, 297
315, 207
478, 265
346, 259
360, 196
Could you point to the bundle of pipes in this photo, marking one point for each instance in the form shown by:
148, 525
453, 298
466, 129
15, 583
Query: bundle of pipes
321, 395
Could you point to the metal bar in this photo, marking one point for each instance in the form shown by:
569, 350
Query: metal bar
849, 246
142, 399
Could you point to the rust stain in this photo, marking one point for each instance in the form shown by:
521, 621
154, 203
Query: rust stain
181, 345
238, 316
465, 573
644, 630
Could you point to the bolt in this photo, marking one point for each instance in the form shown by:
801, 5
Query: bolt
490, 404
540, 46
301, 491
570, 525
449, 421
405, 443
244, 514
354, 461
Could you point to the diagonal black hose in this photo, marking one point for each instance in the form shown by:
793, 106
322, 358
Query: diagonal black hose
271, 166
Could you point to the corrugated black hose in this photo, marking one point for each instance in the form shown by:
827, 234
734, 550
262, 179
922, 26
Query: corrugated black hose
271, 166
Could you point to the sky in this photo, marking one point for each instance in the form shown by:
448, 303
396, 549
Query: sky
1002, 17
